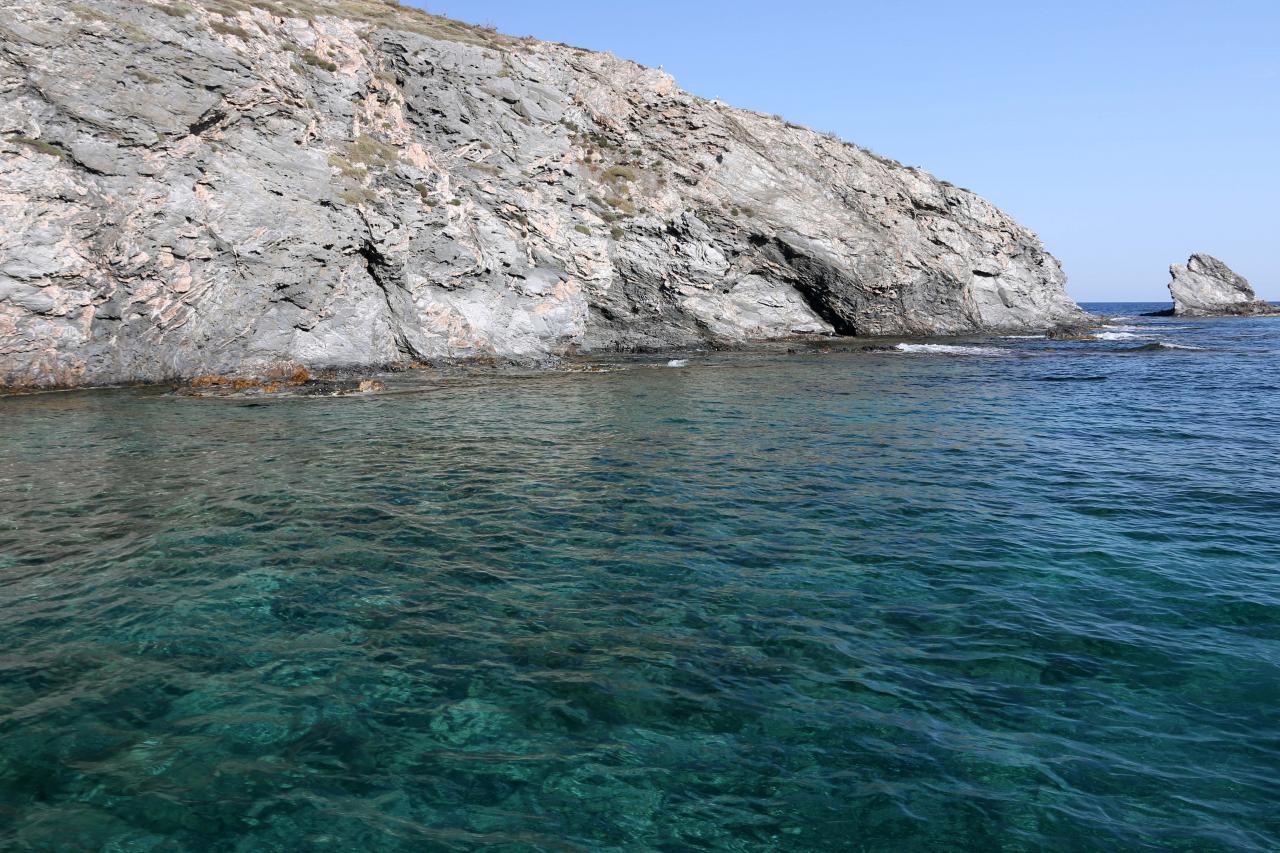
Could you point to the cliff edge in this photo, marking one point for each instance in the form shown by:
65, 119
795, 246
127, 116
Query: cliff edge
230, 187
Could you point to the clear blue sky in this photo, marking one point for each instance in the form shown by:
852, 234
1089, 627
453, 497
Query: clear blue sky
1126, 134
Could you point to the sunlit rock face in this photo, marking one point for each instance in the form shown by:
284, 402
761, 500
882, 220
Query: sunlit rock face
232, 188
1206, 287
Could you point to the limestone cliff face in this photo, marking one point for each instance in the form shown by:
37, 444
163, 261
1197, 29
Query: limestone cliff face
1207, 287
229, 187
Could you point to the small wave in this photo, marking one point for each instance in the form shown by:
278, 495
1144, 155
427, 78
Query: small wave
1024, 337
948, 349
1118, 336
678, 362
1120, 327
1163, 345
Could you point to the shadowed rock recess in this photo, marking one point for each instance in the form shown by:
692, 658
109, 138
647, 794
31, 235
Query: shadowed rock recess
234, 188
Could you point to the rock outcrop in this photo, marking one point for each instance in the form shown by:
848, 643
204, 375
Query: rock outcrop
237, 186
1206, 287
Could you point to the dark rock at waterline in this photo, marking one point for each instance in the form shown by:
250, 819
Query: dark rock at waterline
299, 385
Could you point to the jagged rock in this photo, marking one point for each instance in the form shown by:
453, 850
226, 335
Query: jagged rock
231, 187
1207, 287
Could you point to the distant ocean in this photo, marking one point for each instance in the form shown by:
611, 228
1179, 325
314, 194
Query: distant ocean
996, 593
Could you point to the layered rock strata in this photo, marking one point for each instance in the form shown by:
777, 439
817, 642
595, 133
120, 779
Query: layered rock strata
232, 188
1206, 287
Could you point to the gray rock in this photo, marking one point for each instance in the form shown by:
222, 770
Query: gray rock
1207, 287
217, 188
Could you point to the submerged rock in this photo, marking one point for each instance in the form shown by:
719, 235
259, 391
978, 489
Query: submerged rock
295, 383
1207, 287
218, 187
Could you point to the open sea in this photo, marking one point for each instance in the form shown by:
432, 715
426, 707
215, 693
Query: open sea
999, 594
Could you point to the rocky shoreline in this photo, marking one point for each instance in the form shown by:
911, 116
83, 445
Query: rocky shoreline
237, 188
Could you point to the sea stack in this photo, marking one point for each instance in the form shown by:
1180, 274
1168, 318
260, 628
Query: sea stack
1206, 287
224, 187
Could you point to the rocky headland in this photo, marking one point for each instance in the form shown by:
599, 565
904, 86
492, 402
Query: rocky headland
250, 187
1206, 287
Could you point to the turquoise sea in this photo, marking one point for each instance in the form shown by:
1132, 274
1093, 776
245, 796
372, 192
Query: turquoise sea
1006, 595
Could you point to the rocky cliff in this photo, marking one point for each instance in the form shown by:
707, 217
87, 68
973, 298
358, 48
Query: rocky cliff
239, 186
1207, 287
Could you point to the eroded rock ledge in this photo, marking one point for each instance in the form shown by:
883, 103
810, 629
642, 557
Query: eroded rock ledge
223, 187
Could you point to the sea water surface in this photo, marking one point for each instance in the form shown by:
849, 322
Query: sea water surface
1008, 594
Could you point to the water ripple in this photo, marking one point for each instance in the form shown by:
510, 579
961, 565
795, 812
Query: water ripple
844, 600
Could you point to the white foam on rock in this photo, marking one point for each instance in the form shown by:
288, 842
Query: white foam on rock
949, 349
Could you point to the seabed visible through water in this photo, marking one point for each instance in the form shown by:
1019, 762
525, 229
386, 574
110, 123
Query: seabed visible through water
1017, 594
